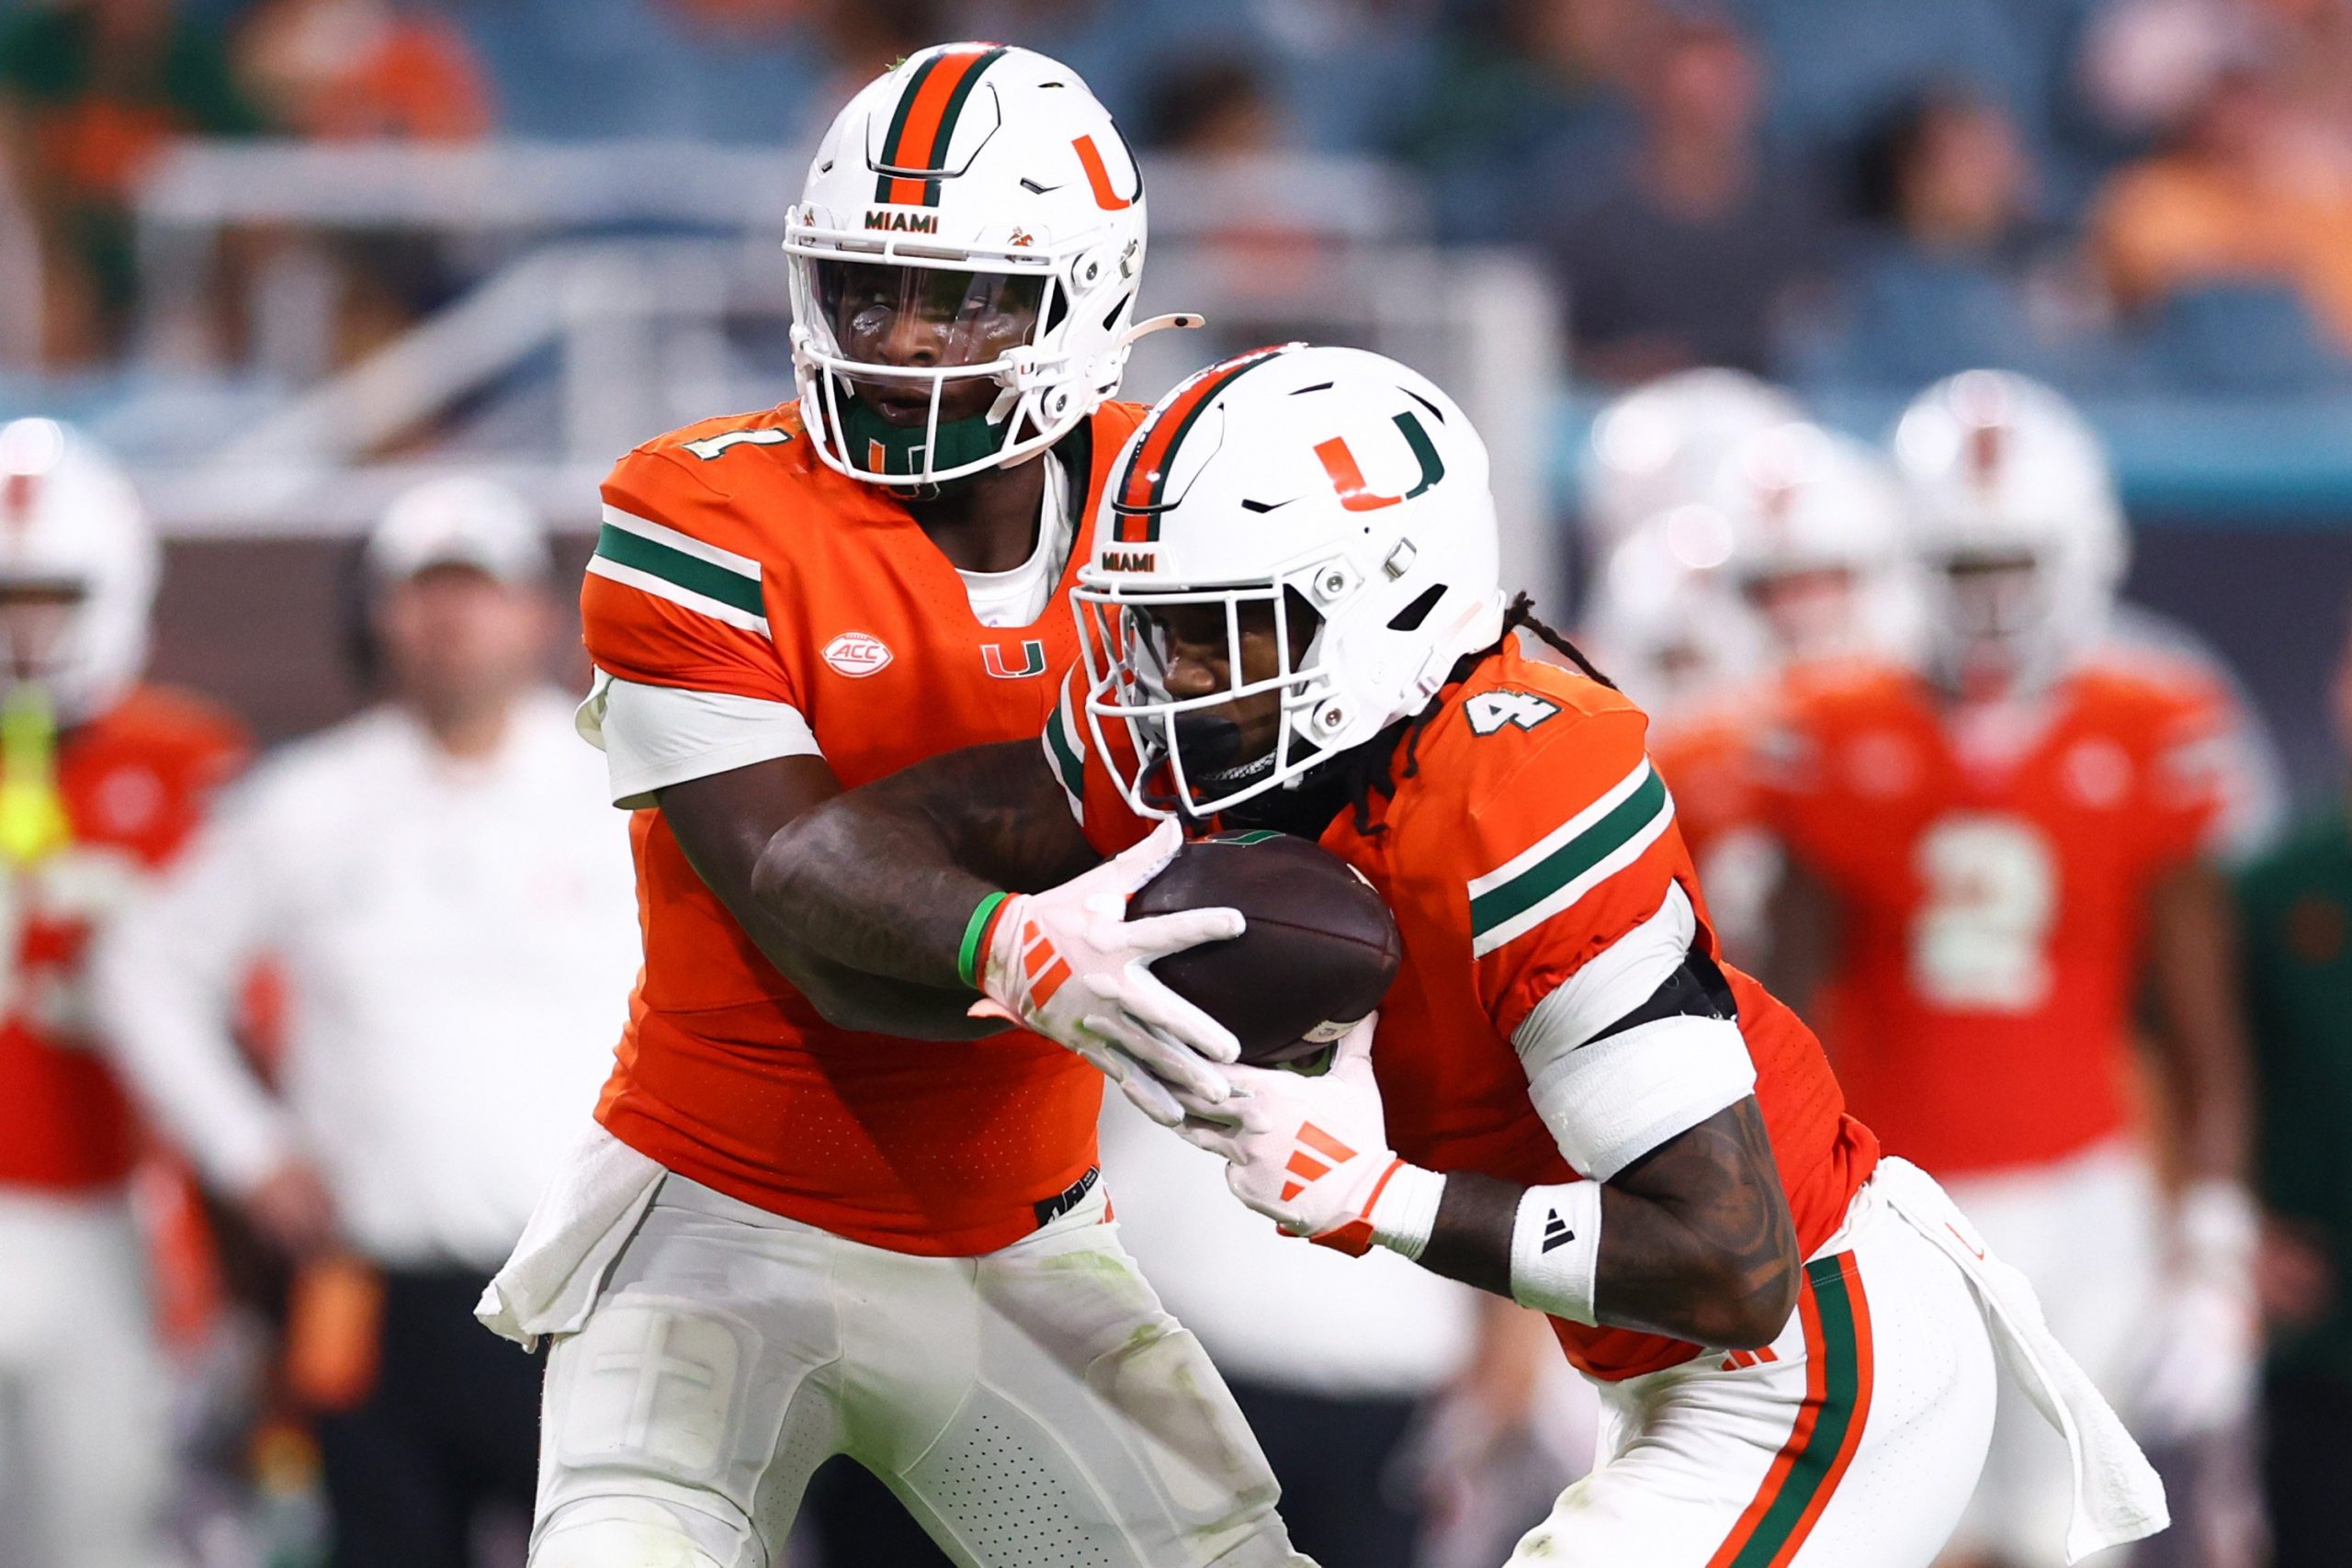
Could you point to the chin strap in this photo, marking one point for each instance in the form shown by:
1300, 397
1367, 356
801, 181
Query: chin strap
1180, 319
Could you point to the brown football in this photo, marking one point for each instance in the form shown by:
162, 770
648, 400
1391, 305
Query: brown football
1318, 953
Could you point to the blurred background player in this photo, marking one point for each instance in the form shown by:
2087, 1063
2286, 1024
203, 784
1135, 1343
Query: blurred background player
1991, 861
1660, 445
2295, 925
1812, 542
102, 779
1783, 562
1803, 531
449, 900
1663, 616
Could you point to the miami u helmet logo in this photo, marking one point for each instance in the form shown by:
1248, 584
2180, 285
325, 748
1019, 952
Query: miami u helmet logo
1347, 476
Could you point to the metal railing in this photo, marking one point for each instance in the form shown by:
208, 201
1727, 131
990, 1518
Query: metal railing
622, 291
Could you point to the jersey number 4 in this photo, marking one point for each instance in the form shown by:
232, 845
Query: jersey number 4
1490, 711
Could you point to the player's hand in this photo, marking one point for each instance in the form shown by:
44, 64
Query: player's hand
2204, 1346
292, 1208
1068, 965
1311, 1155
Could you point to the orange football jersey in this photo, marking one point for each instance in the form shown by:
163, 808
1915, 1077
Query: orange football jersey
733, 561
1991, 873
135, 782
1532, 834
1704, 762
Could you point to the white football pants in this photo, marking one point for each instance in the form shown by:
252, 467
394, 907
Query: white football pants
85, 1396
1032, 1407
1851, 1441
2086, 1231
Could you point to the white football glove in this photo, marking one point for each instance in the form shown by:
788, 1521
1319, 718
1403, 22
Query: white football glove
2204, 1342
1311, 1155
1068, 965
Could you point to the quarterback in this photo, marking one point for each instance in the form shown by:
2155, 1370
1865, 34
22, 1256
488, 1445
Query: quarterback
1293, 622
796, 1232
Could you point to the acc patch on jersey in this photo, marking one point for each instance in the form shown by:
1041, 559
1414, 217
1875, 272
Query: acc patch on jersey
858, 654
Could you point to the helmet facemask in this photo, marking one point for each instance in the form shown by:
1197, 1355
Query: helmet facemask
42, 621
1222, 690
917, 372
919, 365
1995, 615
1811, 611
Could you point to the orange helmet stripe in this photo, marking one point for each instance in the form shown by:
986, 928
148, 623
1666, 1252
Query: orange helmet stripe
1142, 489
925, 122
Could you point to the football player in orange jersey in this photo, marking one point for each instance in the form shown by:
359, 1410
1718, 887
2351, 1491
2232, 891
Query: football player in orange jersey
1296, 624
102, 779
796, 1232
1790, 565
1994, 860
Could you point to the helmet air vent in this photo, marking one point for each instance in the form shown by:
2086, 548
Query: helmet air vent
1410, 618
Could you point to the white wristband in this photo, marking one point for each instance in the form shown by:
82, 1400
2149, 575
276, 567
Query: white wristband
1406, 1210
1555, 1249
2217, 1226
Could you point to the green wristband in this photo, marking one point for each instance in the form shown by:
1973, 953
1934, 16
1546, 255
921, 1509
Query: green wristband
967, 957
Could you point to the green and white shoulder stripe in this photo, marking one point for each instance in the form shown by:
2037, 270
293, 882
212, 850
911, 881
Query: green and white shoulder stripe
677, 567
1066, 750
1569, 861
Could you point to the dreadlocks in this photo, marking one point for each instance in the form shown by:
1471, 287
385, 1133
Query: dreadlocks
1365, 772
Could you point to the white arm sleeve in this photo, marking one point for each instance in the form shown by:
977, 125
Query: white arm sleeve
1610, 1101
165, 976
653, 737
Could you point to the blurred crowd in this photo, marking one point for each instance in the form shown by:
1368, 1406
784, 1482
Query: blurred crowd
2118, 195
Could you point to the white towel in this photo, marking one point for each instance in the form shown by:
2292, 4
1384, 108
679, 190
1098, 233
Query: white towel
2117, 1495
582, 1221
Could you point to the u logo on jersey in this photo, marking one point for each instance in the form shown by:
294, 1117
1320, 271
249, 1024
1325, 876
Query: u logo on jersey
1032, 661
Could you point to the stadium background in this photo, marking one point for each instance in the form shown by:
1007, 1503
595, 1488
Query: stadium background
285, 256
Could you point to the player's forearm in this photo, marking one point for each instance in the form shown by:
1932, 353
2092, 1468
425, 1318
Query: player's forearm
2199, 1035
886, 879
871, 890
1694, 1241
726, 824
163, 1014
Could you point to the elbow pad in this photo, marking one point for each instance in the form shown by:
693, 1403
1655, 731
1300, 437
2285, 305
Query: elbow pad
1555, 1249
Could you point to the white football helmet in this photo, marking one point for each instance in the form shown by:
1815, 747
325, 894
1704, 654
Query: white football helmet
72, 524
1659, 447
1665, 621
2002, 470
1328, 481
1813, 542
982, 189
